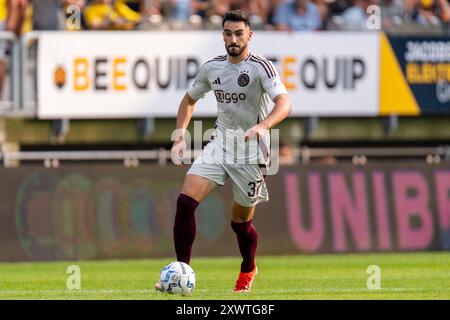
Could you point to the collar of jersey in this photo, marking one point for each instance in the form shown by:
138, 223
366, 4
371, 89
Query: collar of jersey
238, 64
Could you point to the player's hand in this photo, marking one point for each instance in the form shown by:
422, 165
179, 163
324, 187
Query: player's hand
177, 152
254, 132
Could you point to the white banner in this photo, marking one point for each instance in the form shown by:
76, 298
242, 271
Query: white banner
146, 74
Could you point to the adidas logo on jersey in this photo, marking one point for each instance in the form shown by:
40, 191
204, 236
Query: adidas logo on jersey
217, 81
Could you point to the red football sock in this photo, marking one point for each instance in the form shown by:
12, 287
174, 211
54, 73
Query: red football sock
184, 228
247, 237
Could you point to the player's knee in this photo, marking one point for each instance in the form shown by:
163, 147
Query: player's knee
245, 231
186, 203
241, 227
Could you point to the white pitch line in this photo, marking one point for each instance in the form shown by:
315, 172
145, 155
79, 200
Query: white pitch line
143, 291
74, 291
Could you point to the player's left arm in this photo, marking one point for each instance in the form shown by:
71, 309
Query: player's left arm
280, 111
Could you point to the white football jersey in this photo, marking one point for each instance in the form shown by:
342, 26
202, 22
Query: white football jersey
244, 93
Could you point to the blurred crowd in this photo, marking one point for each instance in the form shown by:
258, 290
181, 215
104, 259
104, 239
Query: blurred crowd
285, 15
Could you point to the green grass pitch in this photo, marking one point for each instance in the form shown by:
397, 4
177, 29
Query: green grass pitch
403, 276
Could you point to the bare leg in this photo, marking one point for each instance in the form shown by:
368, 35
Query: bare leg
241, 214
197, 187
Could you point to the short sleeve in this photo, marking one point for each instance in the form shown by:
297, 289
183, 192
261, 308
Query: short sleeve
200, 86
271, 81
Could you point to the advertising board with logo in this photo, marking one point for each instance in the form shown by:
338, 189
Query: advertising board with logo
146, 74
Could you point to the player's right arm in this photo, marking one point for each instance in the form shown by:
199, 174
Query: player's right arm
184, 115
198, 89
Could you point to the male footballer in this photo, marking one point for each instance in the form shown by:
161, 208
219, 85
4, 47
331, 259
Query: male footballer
244, 85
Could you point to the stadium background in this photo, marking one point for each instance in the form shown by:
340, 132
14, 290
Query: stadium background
86, 170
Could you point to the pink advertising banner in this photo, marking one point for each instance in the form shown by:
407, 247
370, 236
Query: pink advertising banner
103, 211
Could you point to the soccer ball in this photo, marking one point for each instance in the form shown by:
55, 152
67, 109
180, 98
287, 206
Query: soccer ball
177, 277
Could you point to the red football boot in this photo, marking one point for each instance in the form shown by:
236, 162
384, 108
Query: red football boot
245, 281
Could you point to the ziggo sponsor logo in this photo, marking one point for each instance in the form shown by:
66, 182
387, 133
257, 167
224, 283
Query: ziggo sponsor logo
228, 97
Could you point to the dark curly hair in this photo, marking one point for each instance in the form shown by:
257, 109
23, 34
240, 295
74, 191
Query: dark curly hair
236, 16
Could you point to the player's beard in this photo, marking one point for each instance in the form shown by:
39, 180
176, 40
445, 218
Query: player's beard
235, 51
